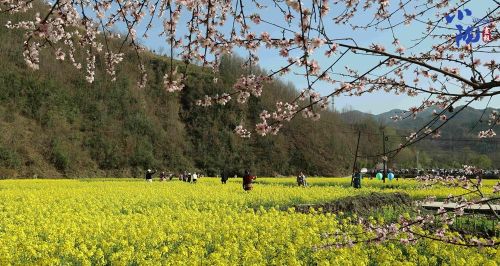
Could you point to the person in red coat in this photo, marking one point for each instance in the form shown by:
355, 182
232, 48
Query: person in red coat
248, 180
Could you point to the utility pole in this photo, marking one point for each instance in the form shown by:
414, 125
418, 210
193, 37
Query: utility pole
355, 157
418, 166
462, 161
495, 154
384, 158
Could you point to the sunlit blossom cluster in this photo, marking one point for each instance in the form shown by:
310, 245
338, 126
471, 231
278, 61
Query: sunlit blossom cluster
284, 112
249, 85
487, 133
112, 60
242, 132
173, 82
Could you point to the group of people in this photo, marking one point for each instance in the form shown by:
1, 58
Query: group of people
163, 176
379, 174
248, 179
186, 177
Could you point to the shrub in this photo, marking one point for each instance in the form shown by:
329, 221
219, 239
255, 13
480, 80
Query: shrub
59, 156
7, 173
9, 158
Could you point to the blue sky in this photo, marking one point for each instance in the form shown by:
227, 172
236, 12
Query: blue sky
375, 102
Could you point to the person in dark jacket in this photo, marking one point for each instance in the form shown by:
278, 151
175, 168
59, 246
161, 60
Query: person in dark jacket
356, 178
149, 175
248, 181
224, 177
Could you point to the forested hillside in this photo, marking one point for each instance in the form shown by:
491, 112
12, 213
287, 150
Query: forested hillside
54, 124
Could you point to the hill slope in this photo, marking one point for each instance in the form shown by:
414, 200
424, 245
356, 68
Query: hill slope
54, 124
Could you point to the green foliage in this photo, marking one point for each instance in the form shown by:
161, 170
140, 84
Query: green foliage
481, 160
9, 158
143, 155
59, 156
105, 152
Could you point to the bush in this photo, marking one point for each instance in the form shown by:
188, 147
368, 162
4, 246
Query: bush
59, 156
7, 173
105, 151
9, 158
143, 155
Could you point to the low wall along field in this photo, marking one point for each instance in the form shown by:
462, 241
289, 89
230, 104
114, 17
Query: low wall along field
129, 221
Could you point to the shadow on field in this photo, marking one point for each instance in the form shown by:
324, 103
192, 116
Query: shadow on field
360, 204
340, 182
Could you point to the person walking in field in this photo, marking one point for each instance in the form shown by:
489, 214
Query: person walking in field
195, 177
248, 181
163, 177
224, 177
301, 180
149, 175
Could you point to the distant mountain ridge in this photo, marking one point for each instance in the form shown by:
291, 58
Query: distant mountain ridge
467, 123
459, 143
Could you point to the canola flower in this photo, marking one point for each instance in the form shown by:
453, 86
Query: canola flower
125, 221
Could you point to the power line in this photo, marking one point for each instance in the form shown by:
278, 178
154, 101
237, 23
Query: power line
403, 137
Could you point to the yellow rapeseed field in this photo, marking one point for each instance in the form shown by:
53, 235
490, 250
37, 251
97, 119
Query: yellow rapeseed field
131, 222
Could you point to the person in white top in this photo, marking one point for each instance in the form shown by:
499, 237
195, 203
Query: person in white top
195, 177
